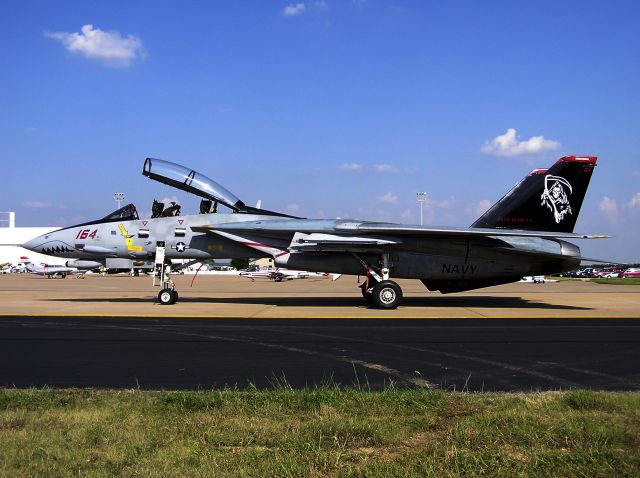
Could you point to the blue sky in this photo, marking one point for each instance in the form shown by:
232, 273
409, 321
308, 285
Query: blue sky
322, 108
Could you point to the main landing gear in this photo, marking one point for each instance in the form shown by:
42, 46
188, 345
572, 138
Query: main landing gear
377, 289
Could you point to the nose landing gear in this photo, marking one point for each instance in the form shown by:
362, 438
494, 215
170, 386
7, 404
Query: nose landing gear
167, 296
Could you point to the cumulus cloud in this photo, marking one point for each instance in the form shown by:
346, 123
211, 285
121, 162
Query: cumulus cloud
635, 201
293, 209
440, 204
293, 9
479, 208
111, 48
609, 207
36, 204
351, 167
388, 198
385, 169
509, 145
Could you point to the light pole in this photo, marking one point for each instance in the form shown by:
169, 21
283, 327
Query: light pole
422, 198
119, 197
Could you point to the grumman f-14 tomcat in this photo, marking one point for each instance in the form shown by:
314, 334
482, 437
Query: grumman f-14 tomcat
524, 234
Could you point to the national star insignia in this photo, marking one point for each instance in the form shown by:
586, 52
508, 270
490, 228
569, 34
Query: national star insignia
181, 247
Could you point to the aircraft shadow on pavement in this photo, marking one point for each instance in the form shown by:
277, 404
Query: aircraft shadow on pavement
490, 302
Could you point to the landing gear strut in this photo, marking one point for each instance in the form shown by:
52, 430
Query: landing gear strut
377, 289
168, 294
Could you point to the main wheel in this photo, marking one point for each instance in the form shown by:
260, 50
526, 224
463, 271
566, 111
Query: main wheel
387, 295
175, 296
166, 297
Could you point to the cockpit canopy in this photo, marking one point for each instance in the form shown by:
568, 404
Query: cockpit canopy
126, 213
191, 181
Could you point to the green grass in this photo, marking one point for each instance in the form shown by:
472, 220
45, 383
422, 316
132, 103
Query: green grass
313, 433
614, 281
618, 281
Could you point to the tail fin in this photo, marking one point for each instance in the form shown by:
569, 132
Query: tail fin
28, 264
545, 200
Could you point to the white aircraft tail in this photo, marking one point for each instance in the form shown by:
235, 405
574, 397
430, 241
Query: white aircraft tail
31, 267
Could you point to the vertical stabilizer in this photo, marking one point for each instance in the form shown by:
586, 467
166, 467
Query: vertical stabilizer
545, 200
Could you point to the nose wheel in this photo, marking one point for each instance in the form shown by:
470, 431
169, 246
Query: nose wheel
167, 296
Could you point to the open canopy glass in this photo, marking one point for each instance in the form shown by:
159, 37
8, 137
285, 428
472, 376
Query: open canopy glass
191, 181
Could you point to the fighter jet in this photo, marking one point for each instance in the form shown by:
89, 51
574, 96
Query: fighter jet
524, 234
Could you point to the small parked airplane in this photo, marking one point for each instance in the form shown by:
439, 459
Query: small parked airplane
52, 271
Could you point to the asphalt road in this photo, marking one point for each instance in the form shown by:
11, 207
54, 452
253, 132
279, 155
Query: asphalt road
451, 354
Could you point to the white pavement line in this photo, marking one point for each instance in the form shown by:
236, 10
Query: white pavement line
419, 382
592, 373
506, 366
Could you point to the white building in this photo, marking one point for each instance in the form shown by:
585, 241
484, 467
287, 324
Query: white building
12, 238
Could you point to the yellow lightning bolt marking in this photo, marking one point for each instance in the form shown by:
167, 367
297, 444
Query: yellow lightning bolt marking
128, 240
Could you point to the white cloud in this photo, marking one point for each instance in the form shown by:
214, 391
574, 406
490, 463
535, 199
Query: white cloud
385, 169
635, 201
109, 47
36, 204
479, 208
609, 207
508, 145
293, 209
293, 9
351, 167
440, 204
388, 198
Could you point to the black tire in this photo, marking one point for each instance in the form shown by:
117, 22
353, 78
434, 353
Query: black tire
166, 297
387, 295
175, 296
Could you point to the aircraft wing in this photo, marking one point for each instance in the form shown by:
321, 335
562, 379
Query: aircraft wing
392, 231
427, 231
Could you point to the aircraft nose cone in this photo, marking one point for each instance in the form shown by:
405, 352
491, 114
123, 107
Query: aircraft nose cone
33, 244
